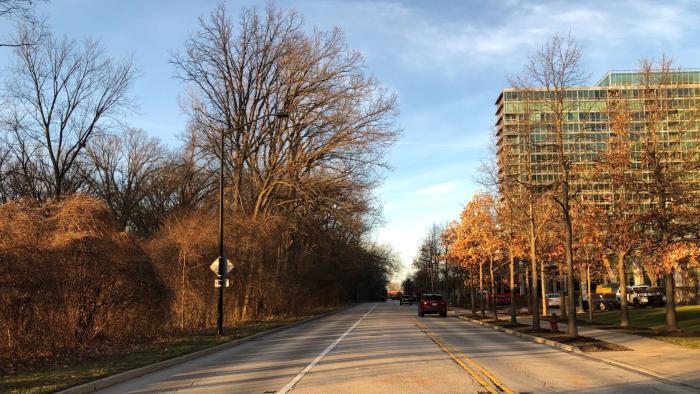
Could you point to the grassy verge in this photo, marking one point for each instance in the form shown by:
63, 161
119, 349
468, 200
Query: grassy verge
587, 344
54, 378
651, 322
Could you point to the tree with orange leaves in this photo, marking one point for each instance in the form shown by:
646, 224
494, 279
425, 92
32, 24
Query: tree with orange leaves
513, 239
667, 165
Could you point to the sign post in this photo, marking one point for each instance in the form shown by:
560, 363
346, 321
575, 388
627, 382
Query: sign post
215, 266
221, 270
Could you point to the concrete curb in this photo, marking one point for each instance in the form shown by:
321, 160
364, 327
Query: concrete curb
134, 373
581, 353
532, 338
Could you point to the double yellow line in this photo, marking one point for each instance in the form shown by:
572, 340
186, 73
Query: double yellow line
485, 378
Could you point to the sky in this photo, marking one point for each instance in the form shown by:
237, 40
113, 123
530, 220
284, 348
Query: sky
446, 60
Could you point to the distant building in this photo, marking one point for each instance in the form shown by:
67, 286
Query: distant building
524, 116
585, 126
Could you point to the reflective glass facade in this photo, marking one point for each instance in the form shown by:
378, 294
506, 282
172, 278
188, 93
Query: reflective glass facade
526, 136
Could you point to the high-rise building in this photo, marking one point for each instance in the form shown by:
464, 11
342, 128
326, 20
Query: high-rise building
526, 135
666, 103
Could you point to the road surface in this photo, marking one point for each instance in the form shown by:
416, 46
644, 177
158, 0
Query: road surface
386, 348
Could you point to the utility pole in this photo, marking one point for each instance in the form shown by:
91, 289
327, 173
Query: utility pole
222, 260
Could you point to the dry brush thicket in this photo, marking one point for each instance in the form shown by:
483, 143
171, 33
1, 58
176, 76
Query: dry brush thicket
106, 235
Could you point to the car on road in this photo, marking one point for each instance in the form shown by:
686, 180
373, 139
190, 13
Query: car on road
406, 299
553, 300
432, 303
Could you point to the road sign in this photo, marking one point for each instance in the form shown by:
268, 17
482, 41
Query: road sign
215, 266
217, 282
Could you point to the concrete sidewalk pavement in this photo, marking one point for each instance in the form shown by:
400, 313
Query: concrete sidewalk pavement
673, 362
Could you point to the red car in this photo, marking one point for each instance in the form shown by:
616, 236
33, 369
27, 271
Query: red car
432, 303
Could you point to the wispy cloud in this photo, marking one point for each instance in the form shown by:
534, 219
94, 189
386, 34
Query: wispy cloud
448, 40
439, 189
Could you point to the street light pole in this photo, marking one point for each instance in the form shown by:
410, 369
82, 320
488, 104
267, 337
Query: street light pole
222, 260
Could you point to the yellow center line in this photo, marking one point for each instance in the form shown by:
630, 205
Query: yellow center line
459, 357
457, 360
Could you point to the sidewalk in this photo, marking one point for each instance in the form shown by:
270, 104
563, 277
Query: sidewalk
659, 358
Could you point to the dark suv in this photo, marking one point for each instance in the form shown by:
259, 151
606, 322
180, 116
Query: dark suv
432, 303
406, 299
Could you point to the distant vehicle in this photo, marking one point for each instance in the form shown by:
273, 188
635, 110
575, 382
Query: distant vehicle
406, 299
553, 299
432, 303
642, 296
504, 298
602, 302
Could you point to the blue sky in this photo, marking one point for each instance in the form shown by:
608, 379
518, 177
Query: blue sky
446, 60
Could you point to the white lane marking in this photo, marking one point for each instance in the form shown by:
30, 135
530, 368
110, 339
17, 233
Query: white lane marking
323, 354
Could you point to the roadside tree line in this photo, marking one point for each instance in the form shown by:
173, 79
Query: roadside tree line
649, 213
107, 234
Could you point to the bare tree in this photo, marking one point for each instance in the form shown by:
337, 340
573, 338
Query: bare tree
60, 95
339, 123
431, 253
518, 184
554, 68
22, 12
668, 164
323, 156
126, 169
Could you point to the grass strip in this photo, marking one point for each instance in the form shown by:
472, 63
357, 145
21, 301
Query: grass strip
58, 377
586, 344
651, 322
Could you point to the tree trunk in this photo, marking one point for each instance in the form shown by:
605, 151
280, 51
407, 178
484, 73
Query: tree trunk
580, 297
545, 308
481, 289
569, 248
608, 269
533, 263
562, 294
528, 290
493, 290
472, 290
588, 289
513, 303
669, 283
624, 308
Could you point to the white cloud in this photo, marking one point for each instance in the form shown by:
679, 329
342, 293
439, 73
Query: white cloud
433, 40
439, 189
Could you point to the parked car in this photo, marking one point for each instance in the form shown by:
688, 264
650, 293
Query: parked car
553, 299
641, 296
406, 299
504, 298
602, 302
432, 303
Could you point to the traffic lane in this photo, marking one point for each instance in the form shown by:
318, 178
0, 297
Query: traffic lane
387, 353
525, 366
264, 364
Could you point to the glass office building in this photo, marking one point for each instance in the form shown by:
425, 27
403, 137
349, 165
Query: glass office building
526, 133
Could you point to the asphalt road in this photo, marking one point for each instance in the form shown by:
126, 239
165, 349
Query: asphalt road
386, 348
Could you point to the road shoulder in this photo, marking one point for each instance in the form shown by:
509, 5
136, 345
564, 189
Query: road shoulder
133, 373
